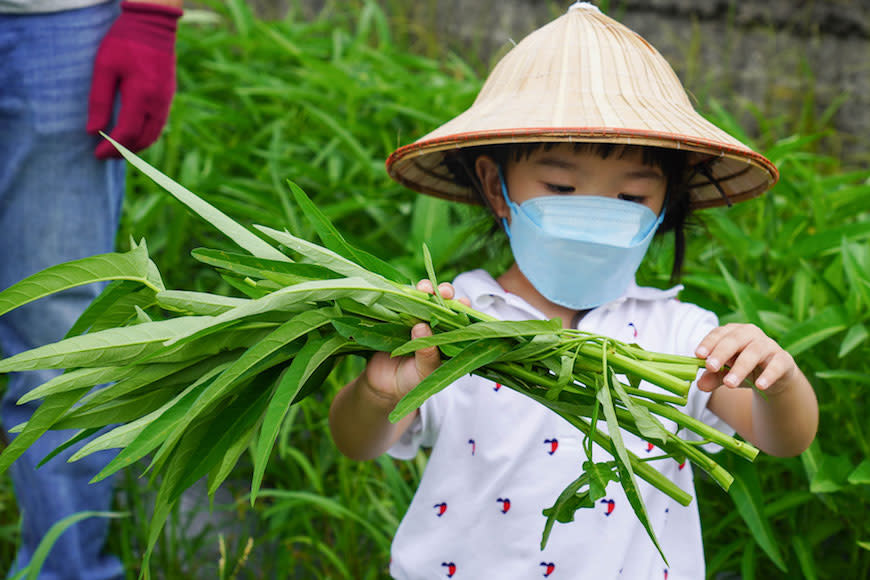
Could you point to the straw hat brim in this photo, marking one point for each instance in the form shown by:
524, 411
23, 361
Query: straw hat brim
740, 173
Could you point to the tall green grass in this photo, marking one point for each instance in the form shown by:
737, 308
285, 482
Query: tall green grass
323, 102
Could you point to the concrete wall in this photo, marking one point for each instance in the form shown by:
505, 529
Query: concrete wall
790, 59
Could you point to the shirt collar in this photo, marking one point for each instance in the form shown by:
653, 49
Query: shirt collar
482, 289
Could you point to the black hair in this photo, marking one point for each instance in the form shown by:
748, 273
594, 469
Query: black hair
672, 162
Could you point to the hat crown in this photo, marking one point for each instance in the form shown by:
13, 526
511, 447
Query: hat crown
583, 69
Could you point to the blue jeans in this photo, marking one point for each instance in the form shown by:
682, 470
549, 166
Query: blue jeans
57, 203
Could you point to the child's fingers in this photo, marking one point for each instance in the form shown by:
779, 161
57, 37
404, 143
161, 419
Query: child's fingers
780, 365
709, 381
446, 289
746, 362
427, 359
724, 343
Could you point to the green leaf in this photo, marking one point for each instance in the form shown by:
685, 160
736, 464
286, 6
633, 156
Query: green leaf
384, 337
287, 299
832, 473
805, 557
857, 272
120, 436
322, 256
742, 296
600, 474
157, 430
746, 493
306, 361
649, 426
481, 331
842, 375
205, 210
254, 357
76, 379
78, 437
474, 356
177, 469
284, 273
540, 346
122, 310
121, 410
430, 272
856, 334
861, 474
224, 430
623, 461
830, 321
132, 265
829, 239
40, 422
333, 239
151, 377
101, 304
198, 303
111, 347
568, 502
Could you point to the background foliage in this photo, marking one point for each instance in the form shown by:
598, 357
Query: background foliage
323, 102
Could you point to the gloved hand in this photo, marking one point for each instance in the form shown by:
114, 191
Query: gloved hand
137, 58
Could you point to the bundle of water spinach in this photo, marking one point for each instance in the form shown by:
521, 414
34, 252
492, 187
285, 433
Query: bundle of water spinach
196, 389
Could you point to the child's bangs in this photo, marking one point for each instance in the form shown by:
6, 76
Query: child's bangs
658, 157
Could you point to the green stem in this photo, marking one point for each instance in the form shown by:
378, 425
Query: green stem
734, 445
622, 363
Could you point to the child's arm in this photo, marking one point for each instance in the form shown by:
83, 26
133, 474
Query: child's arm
359, 415
784, 423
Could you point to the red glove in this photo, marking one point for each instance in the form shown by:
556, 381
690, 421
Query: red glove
137, 57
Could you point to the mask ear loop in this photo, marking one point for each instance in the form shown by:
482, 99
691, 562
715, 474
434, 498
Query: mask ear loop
507, 199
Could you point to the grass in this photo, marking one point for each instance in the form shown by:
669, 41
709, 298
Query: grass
324, 102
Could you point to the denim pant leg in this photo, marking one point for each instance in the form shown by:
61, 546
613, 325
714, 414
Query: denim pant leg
57, 203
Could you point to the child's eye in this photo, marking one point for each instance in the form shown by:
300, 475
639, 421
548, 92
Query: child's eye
632, 198
560, 188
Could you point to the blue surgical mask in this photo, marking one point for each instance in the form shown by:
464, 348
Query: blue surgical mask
579, 251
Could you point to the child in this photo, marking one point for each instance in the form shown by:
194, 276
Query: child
583, 145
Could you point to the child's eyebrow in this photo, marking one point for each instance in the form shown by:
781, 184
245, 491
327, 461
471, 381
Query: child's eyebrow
649, 173
556, 162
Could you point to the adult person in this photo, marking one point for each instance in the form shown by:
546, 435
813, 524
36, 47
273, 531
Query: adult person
70, 68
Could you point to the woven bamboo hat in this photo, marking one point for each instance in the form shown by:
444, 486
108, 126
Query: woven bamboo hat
585, 77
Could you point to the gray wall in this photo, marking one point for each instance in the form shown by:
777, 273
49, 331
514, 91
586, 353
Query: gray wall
790, 59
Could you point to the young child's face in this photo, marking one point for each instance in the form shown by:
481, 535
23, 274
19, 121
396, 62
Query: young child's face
561, 170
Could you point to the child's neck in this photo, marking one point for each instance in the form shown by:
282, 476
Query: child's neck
515, 282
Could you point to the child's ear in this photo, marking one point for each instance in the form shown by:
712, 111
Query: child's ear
487, 173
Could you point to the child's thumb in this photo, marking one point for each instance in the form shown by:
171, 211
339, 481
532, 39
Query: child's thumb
426, 359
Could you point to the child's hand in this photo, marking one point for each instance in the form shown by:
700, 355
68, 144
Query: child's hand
391, 378
749, 353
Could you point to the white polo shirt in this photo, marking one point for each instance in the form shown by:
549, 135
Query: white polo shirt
499, 459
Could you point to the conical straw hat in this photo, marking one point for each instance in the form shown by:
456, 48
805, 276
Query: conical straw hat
585, 77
